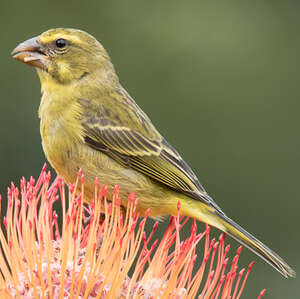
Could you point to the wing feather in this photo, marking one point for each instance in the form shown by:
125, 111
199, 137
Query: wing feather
137, 144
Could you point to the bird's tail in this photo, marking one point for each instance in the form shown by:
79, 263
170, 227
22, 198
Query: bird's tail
208, 215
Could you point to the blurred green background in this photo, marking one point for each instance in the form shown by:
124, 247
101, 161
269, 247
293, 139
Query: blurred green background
220, 80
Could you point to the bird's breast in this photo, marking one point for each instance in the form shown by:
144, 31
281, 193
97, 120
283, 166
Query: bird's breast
57, 143
60, 127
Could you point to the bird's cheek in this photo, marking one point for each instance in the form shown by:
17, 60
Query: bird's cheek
58, 71
66, 73
64, 69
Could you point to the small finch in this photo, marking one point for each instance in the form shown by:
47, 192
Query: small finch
89, 121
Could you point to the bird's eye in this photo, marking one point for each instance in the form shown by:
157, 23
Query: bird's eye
61, 43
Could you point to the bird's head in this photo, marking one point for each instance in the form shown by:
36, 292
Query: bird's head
64, 55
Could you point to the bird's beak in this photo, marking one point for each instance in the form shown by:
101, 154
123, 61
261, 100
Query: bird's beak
31, 53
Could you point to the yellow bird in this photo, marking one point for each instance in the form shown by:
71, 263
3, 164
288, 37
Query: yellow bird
89, 121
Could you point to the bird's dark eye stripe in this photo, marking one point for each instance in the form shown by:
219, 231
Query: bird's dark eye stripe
61, 43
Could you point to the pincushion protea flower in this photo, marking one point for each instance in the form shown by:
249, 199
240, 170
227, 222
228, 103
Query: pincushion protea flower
92, 258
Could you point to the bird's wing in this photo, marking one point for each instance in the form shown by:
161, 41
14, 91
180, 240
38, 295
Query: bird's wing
125, 133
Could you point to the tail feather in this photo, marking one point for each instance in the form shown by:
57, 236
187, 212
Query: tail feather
209, 215
249, 241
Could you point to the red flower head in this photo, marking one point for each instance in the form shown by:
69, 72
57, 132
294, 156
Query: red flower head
93, 259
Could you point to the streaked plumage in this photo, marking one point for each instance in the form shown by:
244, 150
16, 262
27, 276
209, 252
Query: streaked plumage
89, 121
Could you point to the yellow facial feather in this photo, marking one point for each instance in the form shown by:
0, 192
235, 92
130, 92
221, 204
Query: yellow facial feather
72, 35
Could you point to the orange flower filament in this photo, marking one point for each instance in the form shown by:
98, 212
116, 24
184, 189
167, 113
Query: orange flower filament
92, 255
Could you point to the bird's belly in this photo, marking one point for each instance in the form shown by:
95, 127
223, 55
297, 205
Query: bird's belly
67, 162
